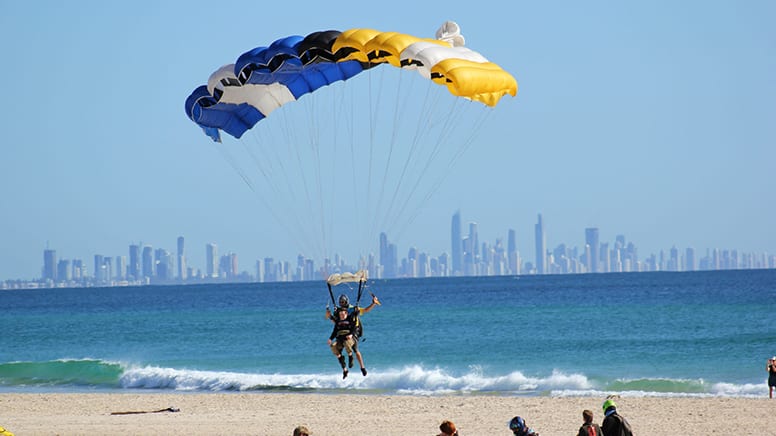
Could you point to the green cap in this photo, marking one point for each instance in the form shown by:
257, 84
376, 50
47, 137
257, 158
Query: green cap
608, 404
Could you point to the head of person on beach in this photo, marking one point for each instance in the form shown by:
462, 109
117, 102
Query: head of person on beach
447, 428
587, 415
609, 406
302, 431
518, 425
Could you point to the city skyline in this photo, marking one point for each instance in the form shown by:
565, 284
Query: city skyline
651, 120
468, 256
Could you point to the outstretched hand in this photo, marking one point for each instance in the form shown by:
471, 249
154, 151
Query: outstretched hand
375, 300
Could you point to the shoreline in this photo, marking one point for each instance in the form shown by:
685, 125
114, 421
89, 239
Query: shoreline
360, 414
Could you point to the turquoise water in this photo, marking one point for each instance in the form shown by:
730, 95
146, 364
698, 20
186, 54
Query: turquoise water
671, 334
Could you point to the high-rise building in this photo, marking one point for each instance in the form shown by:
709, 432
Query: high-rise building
79, 270
164, 264
149, 270
309, 270
512, 255
99, 268
259, 271
541, 246
673, 261
211, 260
50, 265
64, 271
121, 267
457, 244
232, 264
689, 259
182, 271
591, 239
134, 262
474, 239
388, 257
270, 270
467, 259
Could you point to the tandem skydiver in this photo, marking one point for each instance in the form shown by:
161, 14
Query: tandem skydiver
352, 316
343, 337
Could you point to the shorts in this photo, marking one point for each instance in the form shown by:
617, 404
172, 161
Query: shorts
348, 344
772, 381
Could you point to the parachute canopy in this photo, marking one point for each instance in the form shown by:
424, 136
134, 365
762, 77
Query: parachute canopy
239, 95
359, 276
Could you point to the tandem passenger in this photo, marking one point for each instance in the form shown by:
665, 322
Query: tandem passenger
355, 313
343, 337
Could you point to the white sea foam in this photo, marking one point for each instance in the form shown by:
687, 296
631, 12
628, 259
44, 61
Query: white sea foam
408, 380
413, 379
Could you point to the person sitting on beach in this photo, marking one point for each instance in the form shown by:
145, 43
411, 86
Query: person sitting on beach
771, 368
447, 428
589, 428
614, 424
302, 431
342, 337
520, 428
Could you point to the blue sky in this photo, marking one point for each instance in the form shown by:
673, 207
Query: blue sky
650, 119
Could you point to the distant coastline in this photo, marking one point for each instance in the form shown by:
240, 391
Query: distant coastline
89, 282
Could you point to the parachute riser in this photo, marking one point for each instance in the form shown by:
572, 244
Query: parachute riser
331, 294
358, 298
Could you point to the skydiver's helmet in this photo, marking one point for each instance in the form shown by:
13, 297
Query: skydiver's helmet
607, 404
344, 301
517, 425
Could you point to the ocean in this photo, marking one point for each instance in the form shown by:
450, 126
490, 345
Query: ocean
693, 334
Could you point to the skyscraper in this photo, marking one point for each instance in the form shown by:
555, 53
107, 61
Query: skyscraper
99, 268
512, 256
689, 259
64, 271
121, 267
591, 239
50, 265
475, 241
387, 257
457, 244
149, 270
181, 260
541, 246
211, 259
164, 264
134, 262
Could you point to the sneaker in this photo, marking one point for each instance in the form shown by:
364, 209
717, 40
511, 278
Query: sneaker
344, 374
350, 361
363, 371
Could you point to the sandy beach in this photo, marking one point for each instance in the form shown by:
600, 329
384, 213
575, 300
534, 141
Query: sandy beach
357, 415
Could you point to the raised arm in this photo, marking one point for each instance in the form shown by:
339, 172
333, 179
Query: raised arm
375, 302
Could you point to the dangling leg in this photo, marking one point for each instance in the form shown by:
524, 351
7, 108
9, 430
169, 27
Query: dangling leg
360, 359
336, 348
